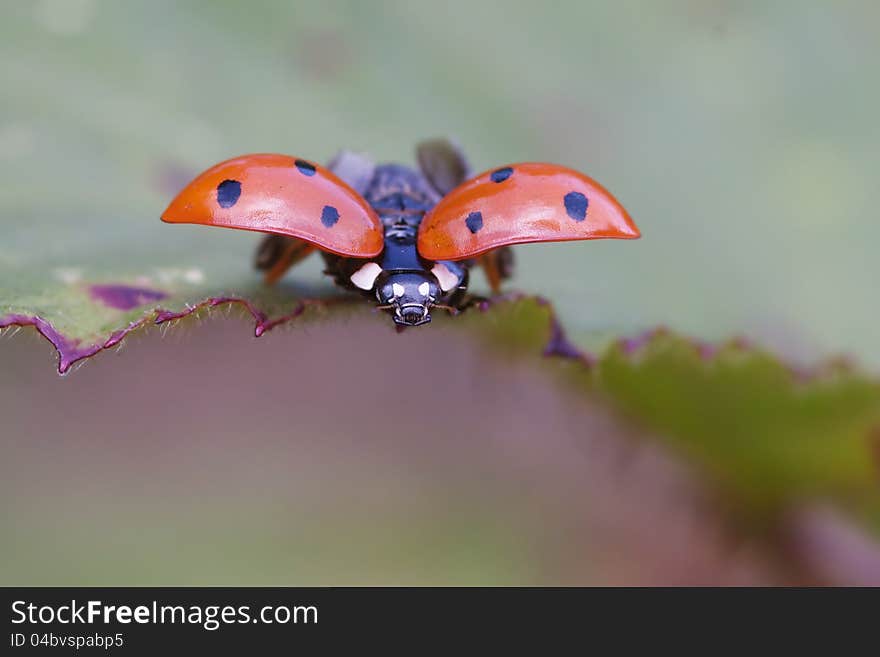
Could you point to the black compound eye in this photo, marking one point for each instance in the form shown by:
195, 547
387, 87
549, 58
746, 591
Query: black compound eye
228, 192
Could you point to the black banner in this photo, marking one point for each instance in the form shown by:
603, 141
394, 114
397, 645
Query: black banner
174, 620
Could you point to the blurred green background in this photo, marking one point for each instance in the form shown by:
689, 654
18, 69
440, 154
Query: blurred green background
741, 136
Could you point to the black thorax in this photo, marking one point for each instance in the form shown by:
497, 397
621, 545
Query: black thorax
401, 197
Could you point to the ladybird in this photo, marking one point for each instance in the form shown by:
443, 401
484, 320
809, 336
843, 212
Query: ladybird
402, 236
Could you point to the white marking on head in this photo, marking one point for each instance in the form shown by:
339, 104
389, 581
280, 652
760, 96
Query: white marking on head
398, 290
446, 278
365, 277
424, 288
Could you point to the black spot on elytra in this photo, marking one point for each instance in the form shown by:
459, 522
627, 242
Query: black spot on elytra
305, 168
228, 192
329, 216
500, 175
576, 205
474, 221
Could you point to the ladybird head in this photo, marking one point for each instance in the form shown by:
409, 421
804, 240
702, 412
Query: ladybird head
409, 295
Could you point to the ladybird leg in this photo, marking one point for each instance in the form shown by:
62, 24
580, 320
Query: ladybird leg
469, 301
443, 164
498, 266
278, 253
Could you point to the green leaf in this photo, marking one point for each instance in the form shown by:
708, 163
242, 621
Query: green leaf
762, 438
766, 435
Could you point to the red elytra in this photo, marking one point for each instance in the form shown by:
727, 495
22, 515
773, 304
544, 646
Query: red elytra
520, 203
283, 195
